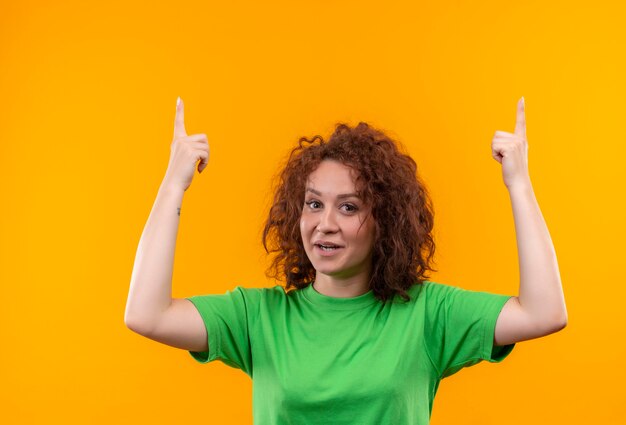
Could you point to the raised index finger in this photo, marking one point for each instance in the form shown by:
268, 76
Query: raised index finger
520, 124
179, 122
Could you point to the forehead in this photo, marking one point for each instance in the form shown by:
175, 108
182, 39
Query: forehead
332, 177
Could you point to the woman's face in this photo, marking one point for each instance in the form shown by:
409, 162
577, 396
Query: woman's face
333, 214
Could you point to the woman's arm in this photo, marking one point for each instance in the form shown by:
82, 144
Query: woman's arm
540, 307
150, 291
540, 292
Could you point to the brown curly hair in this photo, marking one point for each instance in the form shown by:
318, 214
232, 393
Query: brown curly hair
400, 204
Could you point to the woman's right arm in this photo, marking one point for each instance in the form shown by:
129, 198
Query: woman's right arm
150, 309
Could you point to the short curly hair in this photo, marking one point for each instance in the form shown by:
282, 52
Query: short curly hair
400, 204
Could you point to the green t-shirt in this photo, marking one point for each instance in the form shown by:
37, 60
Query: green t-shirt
315, 359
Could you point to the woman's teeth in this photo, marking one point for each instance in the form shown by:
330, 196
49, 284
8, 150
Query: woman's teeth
328, 248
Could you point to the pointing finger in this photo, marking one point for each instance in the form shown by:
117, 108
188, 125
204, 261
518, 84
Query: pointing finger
520, 124
179, 122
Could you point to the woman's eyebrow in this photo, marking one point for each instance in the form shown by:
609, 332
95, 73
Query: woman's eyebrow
343, 195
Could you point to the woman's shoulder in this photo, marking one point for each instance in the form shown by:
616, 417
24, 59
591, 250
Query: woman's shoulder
438, 287
424, 286
273, 292
430, 290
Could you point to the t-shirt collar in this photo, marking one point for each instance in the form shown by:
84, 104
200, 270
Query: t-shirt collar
336, 303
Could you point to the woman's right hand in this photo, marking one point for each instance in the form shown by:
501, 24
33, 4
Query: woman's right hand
185, 152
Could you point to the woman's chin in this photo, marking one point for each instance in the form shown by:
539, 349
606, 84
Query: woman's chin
336, 273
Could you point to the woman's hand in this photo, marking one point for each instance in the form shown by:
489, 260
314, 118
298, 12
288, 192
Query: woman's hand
511, 150
185, 152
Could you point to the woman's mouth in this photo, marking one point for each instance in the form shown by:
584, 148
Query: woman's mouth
325, 250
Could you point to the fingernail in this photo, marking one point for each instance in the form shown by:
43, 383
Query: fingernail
178, 101
523, 102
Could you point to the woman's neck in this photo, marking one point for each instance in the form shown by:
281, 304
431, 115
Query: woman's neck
331, 286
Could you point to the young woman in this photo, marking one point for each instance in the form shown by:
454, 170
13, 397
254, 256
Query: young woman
357, 335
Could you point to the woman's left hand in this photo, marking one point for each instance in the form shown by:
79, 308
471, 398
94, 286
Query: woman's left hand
511, 150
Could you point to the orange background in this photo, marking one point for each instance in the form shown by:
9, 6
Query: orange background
86, 119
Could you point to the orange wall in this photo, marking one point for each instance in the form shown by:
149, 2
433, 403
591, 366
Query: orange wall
88, 94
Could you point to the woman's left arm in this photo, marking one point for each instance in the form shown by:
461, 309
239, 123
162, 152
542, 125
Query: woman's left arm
539, 309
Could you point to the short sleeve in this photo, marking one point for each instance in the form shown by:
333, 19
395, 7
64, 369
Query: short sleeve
227, 318
460, 327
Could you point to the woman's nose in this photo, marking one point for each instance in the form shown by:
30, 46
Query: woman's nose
327, 222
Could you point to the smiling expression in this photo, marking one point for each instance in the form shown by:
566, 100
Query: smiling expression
333, 214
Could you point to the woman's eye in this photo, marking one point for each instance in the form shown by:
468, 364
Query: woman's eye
349, 207
310, 203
